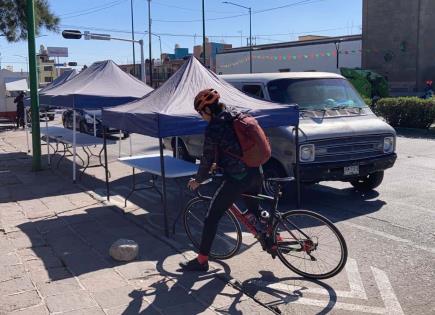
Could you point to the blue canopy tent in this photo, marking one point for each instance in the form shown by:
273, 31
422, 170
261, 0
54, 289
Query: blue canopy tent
168, 110
103, 84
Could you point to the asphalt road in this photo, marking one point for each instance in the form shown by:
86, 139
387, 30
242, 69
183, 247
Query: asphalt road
390, 235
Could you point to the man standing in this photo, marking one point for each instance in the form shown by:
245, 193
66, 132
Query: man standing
20, 109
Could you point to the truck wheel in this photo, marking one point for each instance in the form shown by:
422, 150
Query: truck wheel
369, 182
51, 117
272, 169
182, 151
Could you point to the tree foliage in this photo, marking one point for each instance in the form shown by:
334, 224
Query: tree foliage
13, 18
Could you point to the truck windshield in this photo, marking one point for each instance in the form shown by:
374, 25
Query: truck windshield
312, 94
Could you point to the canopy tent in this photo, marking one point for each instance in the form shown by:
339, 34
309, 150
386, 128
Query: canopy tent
102, 84
16, 84
168, 110
65, 76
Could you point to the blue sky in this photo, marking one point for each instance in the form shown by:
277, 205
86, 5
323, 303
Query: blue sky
179, 21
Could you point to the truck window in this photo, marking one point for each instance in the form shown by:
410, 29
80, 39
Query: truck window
314, 93
254, 90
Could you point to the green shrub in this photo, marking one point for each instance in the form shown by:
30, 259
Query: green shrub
409, 112
367, 100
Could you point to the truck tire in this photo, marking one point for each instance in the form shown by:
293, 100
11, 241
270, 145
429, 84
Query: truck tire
272, 169
369, 182
182, 151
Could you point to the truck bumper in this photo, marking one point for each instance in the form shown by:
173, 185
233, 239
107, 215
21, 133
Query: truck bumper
335, 171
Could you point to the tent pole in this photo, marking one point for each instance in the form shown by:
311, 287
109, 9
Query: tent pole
119, 144
106, 165
131, 144
74, 145
162, 168
48, 138
95, 127
176, 147
27, 130
297, 173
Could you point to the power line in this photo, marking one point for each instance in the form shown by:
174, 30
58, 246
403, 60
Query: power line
187, 9
91, 10
301, 2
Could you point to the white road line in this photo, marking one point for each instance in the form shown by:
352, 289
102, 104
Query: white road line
387, 292
389, 236
342, 306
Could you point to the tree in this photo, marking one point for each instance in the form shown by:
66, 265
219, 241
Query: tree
13, 18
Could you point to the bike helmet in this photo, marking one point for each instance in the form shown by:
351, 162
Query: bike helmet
206, 98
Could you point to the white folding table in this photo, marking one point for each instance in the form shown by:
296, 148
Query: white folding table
65, 137
174, 169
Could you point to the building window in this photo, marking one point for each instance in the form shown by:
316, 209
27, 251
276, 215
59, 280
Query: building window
254, 90
48, 68
48, 79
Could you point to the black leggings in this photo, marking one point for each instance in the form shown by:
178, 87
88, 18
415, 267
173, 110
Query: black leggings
227, 193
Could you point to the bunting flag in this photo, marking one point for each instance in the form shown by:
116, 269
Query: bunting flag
296, 57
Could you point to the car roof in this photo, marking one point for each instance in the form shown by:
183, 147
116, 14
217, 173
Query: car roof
282, 75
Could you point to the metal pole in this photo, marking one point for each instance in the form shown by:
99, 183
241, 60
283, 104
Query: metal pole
142, 62
36, 132
149, 43
74, 146
297, 171
95, 126
106, 165
160, 42
132, 38
176, 147
203, 35
162, 169
131, 145
26, 129
48, 138
250, 41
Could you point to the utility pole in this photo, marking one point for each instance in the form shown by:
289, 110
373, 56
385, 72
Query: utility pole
132, 38
36, 132
203, 34
149, 43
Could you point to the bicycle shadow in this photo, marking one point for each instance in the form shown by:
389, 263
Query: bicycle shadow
276, 293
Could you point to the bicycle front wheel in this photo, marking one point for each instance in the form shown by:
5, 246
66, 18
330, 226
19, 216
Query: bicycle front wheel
228, 234
309, 244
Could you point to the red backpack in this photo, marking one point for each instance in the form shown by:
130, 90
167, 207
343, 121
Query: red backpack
253, 141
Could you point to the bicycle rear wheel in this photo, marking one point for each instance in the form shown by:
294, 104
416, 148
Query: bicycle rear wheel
228, 235
309, 244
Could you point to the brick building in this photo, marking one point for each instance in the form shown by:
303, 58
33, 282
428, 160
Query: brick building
398, 42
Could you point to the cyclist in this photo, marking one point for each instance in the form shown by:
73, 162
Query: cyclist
221, 138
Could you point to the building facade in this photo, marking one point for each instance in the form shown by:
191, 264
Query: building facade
398, 42
46, 68
211, 50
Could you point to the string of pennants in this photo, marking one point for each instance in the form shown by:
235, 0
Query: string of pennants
295, 57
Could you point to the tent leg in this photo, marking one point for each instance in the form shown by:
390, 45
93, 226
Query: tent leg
176, 147
95, 127
297, 169
48, 138
27, 130
106, 165
119, 142
74, 146
162, 168
131, 145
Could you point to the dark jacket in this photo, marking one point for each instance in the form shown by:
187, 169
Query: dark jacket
221, 138
20, 104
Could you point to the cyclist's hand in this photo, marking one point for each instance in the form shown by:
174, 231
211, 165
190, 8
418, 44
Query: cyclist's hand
193, 184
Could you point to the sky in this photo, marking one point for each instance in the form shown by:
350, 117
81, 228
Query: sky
179, 22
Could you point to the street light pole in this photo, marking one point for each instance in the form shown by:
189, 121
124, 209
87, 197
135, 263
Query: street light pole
250, 30
149, 43
132, 38
203, 34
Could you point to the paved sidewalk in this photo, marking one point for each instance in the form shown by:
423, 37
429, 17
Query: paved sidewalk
54, 242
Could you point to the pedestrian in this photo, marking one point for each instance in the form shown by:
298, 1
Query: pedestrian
221, 148
20, 109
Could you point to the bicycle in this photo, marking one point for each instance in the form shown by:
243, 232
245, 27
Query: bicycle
287, 235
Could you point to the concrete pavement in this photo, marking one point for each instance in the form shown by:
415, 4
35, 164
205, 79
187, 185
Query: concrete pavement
54, 243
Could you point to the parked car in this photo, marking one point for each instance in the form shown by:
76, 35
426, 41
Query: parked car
85, 123
340, 138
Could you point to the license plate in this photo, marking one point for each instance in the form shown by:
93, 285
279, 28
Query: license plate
351, 170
